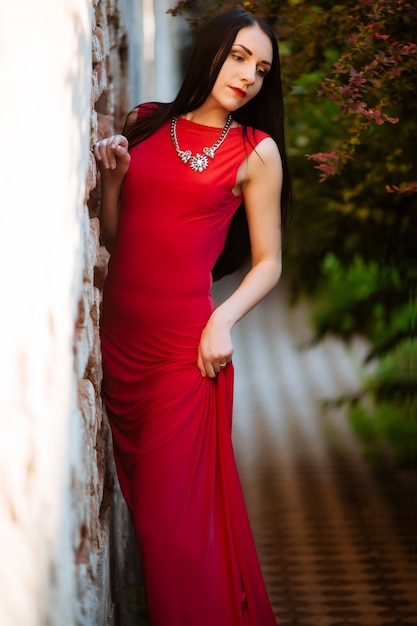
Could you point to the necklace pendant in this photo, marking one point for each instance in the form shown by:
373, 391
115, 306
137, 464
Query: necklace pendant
199, 163
209, 152
185, 155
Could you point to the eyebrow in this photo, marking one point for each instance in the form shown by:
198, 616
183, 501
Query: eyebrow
249, 52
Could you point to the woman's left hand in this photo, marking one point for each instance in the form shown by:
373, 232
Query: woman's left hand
215, 349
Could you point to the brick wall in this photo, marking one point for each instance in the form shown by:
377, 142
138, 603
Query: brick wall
107, 568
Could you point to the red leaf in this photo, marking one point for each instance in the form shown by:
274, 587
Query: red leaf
395, 189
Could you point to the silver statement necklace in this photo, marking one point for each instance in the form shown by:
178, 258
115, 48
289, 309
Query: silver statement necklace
198, 162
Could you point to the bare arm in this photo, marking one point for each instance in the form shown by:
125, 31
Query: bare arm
113, 160
261, 181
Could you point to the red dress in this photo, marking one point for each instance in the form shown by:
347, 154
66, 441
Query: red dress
171, 427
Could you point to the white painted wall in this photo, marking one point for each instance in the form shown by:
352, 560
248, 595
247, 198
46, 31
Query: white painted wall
45, 78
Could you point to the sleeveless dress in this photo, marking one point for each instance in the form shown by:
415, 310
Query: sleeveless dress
172, 428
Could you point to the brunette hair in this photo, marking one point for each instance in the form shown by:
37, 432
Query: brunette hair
264, 112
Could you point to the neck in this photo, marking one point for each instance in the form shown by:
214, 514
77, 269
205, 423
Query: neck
212, 118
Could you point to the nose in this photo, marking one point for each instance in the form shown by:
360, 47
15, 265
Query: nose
249, 73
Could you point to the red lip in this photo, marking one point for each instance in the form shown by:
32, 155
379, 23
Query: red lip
239, 92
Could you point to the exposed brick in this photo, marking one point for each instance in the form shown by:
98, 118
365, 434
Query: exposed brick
98, 51
93, 127
105, 125
95, 87
101, 267
87, 401
101, 77
103, 535
91, 181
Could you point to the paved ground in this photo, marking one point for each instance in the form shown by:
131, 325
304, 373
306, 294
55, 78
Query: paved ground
337, 541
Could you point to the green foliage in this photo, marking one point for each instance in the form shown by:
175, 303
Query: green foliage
371, 299
387, 431
391, 425
366, 298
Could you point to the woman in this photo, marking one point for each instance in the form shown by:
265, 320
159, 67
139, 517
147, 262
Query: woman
171, 185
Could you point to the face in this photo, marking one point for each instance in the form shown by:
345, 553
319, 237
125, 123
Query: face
241, 76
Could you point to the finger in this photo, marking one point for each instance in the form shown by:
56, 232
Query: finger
123, 154
105, 150
206, 367
121, 140
118, 152
216, 368
111, 150
100, 151
200, 365
211, 371
117, 141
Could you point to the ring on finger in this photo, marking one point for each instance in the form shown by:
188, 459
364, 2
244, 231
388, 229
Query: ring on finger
223, 364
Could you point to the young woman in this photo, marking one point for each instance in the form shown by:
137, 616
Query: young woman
188, 190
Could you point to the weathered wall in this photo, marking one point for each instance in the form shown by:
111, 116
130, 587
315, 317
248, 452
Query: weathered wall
60, 507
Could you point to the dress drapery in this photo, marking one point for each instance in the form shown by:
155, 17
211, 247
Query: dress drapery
172, 428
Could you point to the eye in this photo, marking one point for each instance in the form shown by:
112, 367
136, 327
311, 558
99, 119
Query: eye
261, 72
237, 56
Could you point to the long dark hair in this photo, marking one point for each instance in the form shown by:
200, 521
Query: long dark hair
264, 112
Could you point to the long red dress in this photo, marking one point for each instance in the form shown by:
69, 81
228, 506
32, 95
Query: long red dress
171, 427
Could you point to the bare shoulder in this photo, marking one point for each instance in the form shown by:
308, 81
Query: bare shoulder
262, 165
265, 156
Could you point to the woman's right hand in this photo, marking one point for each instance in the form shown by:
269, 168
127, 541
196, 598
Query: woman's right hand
113, 160
112, 157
